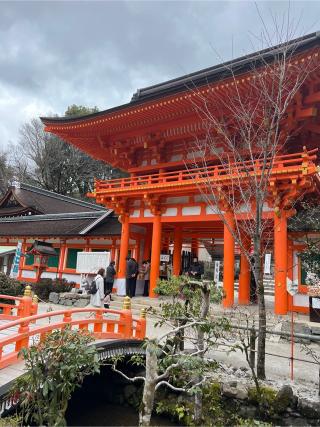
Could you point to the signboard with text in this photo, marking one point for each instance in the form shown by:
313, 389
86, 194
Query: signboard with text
15, 265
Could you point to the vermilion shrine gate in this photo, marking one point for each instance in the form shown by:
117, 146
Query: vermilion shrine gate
151, 138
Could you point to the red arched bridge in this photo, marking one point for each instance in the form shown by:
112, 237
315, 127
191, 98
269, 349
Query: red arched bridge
22, 327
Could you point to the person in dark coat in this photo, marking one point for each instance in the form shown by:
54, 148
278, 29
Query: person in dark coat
195, 270
109, 278
131, 277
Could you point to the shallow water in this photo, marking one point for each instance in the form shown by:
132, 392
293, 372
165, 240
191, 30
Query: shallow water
109, 415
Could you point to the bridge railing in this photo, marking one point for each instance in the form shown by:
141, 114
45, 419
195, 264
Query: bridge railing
19, 307
102, 323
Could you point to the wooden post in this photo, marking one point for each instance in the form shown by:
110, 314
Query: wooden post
62, 258
27, 302
125, 329
97, 328
143, 325
155, 254
124, 246
177, 248
147, 244
228, 261
280, 262
244, 278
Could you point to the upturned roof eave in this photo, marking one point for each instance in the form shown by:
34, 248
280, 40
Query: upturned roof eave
196, 79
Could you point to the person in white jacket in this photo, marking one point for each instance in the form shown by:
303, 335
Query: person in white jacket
97, 299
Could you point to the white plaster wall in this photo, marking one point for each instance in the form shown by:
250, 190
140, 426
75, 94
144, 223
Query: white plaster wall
170, 212
212, 210
135, 213
147, 213
266, 208
191, 210
176, 158
301, 300
29, 274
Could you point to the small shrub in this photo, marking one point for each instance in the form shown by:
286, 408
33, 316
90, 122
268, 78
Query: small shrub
55, 367
10, 421
45, 286
11, 287
265, 400
180, 411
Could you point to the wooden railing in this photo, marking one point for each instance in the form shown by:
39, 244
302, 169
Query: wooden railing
102, 323
20, 306
281, 165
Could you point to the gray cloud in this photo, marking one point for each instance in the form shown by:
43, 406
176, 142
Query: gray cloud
53, 54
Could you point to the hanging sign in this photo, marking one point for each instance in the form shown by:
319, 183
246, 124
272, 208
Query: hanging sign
292, 286
164, 258
267, 264
216, 271
15, 265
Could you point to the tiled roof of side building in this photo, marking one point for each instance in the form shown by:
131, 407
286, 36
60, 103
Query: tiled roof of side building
48, 202
202, 77
69, 224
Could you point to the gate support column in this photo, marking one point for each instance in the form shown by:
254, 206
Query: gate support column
147, 244
228, 261
244, 278
177, 248
280, 262
124, 246
155, 254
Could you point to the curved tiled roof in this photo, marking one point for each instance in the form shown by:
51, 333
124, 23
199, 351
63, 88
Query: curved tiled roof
208, 75
43, 201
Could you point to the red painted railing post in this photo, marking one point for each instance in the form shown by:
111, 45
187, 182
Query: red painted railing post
143, 325
34, 309
27, 302
67, 317
23, 342
98, 325
20, 309
125, 328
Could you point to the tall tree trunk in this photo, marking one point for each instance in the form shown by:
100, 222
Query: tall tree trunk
258, 276
149, 388
205, 291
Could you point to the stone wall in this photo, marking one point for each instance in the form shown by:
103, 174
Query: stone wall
69, 299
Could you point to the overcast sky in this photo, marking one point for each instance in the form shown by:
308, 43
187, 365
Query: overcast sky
54, 54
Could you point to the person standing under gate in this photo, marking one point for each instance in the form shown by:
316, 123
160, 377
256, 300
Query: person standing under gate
146, 276
109, 279
97, 299
131, 277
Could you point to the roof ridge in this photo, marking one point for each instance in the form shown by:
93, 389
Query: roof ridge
54, 216
55, 195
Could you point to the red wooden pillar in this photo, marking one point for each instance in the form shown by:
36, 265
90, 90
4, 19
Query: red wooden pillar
21, 261
228, 261
244, 278
113, 250
177, 248
124, 246
280, 261
147, 244
62, 259
155, 254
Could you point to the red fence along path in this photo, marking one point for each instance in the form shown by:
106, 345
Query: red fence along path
102, 323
